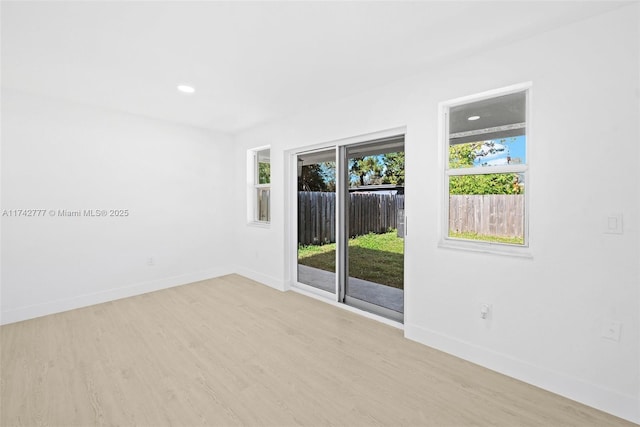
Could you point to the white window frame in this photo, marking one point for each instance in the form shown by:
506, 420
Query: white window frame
478, 245
253, 185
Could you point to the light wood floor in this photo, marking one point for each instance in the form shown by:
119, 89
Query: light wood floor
229, 351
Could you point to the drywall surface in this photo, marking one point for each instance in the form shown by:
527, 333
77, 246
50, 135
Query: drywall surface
124, 204
549, 310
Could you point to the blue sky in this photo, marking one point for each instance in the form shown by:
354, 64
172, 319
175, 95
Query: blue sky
495, 152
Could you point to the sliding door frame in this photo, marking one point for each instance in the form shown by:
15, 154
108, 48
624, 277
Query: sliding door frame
345, 152
291, 218
342, 192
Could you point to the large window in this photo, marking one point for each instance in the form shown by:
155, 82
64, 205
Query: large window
261, 189
486, 170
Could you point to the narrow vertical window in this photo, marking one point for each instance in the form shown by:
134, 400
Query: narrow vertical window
486, 169
262, 185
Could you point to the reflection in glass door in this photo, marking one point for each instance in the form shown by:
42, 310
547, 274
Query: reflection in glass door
316, 253
373, 224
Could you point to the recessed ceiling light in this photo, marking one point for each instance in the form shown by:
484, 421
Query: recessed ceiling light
186, 89
473, 118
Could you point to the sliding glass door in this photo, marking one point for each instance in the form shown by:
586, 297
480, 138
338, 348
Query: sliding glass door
316, 199
373, 238
350, 224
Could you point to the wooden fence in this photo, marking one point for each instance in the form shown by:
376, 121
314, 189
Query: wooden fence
494, 215
368, 213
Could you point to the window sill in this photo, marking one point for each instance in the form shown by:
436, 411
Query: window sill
486, 247
259, 224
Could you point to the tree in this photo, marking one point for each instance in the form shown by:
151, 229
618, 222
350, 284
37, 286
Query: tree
318, 177
264, 172
463, 156
329, 175
393, 168
365, 170
492, 183
311, 178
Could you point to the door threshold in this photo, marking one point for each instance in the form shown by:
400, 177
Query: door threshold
329, 298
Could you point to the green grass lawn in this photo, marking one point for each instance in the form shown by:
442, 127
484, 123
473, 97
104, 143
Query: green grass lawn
378, 258
487, 238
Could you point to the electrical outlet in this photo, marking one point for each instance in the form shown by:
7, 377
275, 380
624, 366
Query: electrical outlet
151, 261
611, 330
613, 224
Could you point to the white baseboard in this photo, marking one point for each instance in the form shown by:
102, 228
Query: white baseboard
612, 402
623, 406
264, 279
66, 304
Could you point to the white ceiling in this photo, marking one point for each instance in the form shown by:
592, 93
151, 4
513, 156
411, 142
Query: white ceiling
250, 62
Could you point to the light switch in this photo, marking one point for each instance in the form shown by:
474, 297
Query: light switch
613, 224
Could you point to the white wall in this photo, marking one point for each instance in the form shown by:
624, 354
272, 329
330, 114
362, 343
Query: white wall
548, 310
58, 155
